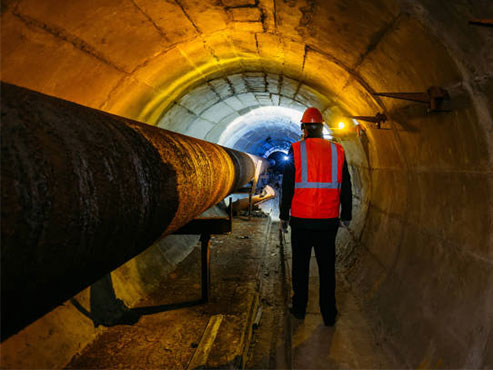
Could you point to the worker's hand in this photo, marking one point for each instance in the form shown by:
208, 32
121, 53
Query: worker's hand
345, 223
284, 225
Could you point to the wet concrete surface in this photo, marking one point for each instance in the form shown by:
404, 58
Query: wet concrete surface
249, 271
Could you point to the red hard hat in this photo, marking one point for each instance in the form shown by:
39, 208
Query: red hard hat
312, 115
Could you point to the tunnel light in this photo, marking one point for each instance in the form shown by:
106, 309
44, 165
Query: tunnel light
286, 158
341, 125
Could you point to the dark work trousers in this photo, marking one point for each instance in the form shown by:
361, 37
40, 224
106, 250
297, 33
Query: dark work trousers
302, 241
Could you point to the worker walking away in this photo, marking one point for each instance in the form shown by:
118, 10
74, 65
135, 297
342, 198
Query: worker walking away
316, 185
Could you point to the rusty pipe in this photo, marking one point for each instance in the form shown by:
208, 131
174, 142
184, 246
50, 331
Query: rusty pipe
84, 191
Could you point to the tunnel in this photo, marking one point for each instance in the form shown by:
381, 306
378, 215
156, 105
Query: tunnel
405, 86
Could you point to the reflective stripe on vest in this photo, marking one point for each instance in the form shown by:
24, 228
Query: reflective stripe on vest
317, 188
305, 184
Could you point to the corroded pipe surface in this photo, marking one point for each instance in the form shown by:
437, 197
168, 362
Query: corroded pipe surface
84, 191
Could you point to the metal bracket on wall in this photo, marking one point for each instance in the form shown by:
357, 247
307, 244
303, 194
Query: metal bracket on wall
377, 119
434, 97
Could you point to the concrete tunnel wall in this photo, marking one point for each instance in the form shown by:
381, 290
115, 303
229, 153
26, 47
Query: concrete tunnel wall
421, 256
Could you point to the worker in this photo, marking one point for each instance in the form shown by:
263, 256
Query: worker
316, 185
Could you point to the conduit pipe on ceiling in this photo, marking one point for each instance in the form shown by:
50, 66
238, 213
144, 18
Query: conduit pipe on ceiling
84, 191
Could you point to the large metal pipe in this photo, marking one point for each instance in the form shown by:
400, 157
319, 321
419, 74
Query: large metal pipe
84, 191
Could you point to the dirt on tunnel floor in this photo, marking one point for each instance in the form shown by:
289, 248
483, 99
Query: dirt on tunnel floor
245, 324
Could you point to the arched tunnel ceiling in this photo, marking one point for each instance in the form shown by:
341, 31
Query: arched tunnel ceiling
423, 182
267, 104
209, 108
95, 54
263, 130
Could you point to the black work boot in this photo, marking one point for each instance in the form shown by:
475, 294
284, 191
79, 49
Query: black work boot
297, 314
330, 317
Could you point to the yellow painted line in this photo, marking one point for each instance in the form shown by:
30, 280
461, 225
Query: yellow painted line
201, 354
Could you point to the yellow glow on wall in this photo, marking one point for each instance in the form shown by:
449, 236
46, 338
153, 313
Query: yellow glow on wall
170, 93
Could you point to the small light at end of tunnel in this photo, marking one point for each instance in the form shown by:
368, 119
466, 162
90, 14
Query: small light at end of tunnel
341, 125
286, 158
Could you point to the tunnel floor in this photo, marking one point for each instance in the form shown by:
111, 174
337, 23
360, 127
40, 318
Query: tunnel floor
245, 324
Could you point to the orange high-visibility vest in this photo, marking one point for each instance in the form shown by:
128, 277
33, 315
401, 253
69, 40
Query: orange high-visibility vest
318, 177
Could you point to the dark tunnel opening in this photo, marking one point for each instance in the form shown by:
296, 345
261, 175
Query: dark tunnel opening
278, 160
